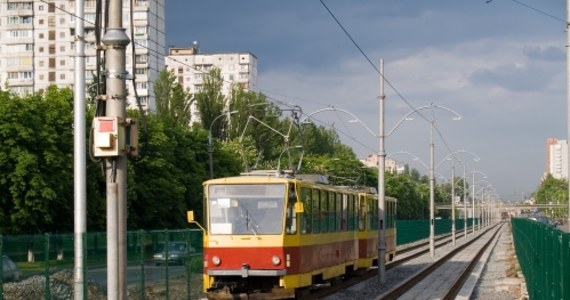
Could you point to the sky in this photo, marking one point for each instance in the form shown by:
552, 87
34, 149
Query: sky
500, 65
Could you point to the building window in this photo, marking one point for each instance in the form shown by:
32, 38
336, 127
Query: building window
41, 21
141, 58
141, 85
62, 62
140, 30
62, 35
62, 76
51, 8
41, 77
41, 36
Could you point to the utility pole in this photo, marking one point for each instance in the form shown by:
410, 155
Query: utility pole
568, 96
115, 41
79, 156
381, 182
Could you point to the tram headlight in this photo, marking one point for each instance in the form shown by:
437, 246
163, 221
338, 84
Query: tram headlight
276, 260
216, 260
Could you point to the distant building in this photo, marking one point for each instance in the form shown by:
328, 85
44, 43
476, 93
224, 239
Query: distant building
390, 165
190, 66
37, 48
557, 158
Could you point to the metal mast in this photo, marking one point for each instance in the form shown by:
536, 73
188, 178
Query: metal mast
79, 154
115, 41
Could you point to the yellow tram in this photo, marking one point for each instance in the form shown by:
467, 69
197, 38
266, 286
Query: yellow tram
269, 235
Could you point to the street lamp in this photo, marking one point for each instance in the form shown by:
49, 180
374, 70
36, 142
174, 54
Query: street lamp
473, 194
414, 157
210, 145
452, 157
431, 166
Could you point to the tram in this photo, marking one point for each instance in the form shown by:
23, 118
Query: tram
270, 235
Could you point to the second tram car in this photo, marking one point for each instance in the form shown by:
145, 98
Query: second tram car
272, 236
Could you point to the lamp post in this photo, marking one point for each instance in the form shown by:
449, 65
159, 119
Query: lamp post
473, 195
452, 157
210, 144
414, 157
431, 166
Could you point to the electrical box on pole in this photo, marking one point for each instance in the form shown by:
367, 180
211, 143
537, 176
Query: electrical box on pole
112, 137
108, 137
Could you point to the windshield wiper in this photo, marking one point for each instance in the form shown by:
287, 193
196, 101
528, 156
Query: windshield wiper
249, 220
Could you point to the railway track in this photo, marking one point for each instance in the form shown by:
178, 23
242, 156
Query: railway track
448, 273
393, 290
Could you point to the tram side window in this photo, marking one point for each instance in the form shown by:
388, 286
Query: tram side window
316, 222
338, 202
291, 221
308, 213
361, 213
344, 217
372, 207
351, 213
332, 212
388, 214
324, 216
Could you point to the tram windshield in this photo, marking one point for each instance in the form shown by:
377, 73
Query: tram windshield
246, 208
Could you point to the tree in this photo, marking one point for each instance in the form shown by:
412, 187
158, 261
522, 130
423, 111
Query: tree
552, 190
211, 102
36, 166
173, 103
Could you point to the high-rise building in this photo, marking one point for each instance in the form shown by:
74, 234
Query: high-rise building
190, 66
38, 38
557, 158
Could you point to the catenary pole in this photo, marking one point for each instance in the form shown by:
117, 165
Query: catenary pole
568, 98
381, 182
79, 155
115, 41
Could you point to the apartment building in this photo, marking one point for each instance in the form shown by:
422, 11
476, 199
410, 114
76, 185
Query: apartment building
190, 66
557, 158
38, 38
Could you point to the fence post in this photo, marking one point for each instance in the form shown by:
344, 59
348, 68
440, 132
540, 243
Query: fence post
46, 265
166, 263
141, 241
2, 267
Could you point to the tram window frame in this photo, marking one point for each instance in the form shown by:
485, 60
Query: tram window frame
338, 211
332, 212
373, 207
315, 220
344, 214
351, 213
324, 206
306, 220
291, 214
361, 215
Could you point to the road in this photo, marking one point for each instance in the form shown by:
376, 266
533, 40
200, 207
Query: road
152, 273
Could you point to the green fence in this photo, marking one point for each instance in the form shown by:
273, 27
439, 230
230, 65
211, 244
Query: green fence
544, 256
49, 259
410, 231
